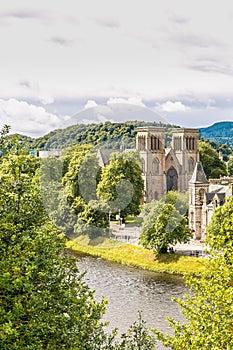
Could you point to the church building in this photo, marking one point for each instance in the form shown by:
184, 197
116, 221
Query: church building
204, 197
166, 169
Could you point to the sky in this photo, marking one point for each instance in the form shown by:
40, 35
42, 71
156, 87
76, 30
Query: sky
61, 57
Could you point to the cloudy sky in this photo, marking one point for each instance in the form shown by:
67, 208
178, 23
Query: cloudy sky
60, 57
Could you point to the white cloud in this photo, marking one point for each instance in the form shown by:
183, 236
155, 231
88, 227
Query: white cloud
27, 118
90, 104
131, 100
46, 99
170, 106
36, 91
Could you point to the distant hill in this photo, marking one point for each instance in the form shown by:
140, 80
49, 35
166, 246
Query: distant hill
107, 135
115, 113
221, 132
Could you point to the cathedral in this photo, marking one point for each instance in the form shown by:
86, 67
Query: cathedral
179, 168
166, 169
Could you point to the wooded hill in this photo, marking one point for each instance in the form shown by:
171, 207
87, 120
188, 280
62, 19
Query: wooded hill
221, 132
117, 135
110, 135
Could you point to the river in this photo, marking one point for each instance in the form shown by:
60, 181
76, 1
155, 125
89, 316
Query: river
130, 289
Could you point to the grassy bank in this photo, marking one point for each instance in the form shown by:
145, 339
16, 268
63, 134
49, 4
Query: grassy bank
137, 256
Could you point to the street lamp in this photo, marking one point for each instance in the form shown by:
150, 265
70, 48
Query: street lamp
109, 219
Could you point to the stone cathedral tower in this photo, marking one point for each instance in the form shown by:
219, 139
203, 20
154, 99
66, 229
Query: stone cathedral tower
166, 169
150, 143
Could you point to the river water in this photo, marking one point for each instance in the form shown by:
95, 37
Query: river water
130, 289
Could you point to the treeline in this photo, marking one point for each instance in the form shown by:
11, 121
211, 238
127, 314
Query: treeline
112, 135
220, 133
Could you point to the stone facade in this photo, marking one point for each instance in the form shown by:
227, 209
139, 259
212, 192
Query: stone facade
204, 197
166, 169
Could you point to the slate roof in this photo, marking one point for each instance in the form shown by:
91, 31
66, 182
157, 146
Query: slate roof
198, 174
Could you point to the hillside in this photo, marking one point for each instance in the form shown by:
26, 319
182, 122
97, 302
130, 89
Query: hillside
109, 135
221, 132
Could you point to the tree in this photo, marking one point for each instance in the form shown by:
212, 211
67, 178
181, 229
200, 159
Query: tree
137, 338
68, 187
165, 223
121, 184
230, 167
212, 165
44, 303
208, 309
93, 220
220, 229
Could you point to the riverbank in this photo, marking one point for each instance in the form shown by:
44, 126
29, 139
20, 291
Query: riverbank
136, 256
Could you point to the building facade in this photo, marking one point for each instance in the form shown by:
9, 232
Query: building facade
204, 197
166, 169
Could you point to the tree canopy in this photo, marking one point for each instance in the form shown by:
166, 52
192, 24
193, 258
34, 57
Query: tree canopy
121, 184
212, 165
164, 223
208, 308
230, 167
109, 135
44, 302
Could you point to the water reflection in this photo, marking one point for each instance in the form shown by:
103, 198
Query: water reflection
130, 289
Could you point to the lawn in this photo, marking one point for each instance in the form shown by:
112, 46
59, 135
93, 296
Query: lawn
131, 255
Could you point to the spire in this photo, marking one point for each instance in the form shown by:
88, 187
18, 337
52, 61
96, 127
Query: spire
198, 174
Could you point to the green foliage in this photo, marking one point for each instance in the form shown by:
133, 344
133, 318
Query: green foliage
220, 229
164, 223
208, 309
44, 304
93, 220
121, 184
220, 133
212, 165
18, 190
81, 176
110, 135
230, 167
137, 338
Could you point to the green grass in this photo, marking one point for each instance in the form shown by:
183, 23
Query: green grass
128, 254
134, 221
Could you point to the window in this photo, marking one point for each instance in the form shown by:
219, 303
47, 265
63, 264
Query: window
155, 166
156, 195
190, 165
143, 165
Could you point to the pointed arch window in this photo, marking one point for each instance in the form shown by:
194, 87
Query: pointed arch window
201, 196
143, 165
156, 196
191, 165
155, 166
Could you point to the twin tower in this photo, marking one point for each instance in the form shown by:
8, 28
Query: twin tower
163, 168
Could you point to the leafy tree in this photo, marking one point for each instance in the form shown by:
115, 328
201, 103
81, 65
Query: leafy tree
165, 223
80, 181
121, 184
3, 139
212, 165
93, 220
220, 229
230, 167
44, 303
208, 309
137, 338
80, 178
53, 195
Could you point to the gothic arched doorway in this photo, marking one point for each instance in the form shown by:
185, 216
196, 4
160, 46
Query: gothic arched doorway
172, 179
